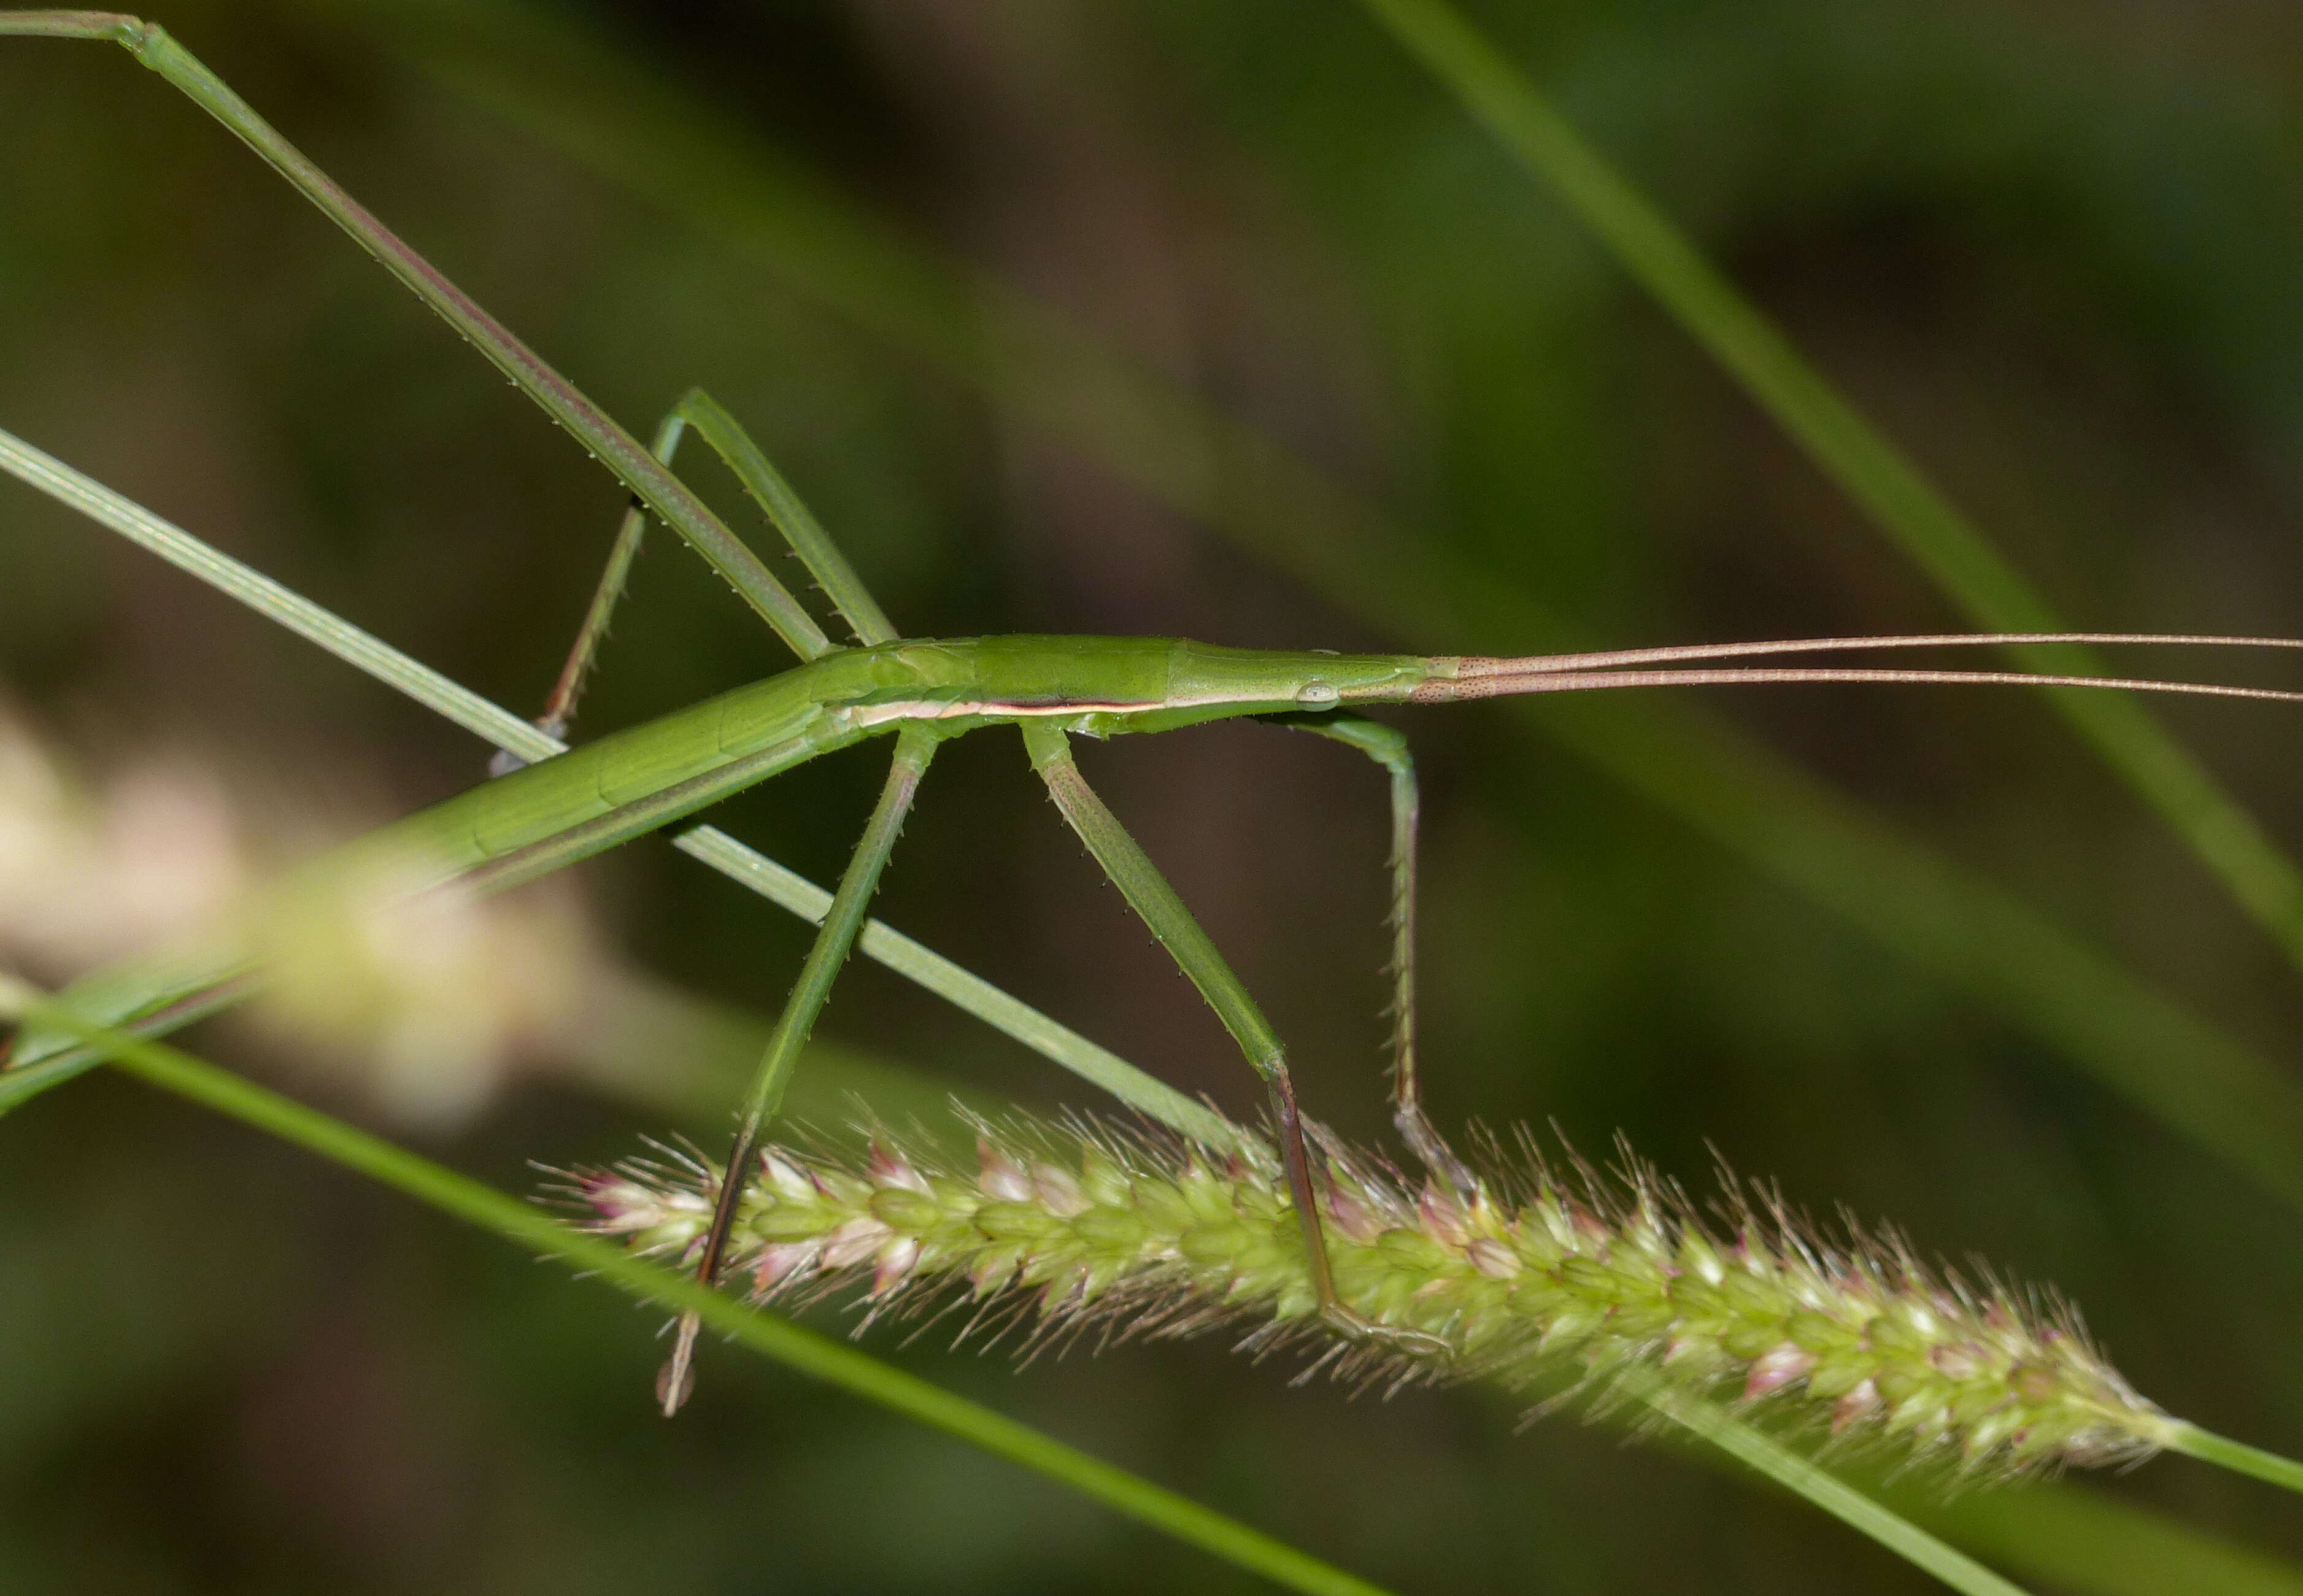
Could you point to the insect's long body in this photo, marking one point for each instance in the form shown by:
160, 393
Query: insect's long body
1093, 687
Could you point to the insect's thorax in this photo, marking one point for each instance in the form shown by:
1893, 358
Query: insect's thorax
1101, 686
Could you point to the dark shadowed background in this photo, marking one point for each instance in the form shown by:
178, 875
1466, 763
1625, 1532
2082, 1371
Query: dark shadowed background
932, 253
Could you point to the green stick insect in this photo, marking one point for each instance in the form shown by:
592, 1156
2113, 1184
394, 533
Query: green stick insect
550, 807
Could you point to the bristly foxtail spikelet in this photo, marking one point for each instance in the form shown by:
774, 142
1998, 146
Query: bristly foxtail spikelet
1082, 1228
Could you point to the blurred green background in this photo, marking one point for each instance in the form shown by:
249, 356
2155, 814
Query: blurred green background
979, 277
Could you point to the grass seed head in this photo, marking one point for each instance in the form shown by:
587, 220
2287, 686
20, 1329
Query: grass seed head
1059, 1231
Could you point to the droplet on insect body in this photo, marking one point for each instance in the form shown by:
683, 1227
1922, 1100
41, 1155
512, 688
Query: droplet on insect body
1317, 695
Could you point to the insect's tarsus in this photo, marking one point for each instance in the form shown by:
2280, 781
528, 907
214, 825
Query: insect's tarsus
1388, 747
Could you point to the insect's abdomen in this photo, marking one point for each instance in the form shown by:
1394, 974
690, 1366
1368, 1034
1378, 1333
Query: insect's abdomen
588, 782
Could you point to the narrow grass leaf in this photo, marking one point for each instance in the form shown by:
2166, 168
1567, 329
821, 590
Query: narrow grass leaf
2239, 1457
2079, 1538
42, 471
1780, 1464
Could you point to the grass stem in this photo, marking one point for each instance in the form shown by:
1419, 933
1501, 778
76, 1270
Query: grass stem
2236, 1456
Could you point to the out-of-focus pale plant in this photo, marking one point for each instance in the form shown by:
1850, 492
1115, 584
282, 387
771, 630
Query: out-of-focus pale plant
86, 876
436, 994
426, 998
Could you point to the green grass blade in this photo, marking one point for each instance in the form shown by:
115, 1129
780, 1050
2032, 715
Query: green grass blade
817, 1357
1782, 1467
2237, 1457
736, 860
592, 103
272, 600
2077, 1538
1913, 511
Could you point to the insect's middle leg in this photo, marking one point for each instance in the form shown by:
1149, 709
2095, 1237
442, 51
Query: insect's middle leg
1156, 903
1388, 747
916, 744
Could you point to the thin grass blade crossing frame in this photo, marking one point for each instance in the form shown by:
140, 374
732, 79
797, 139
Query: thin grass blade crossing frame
1103, 713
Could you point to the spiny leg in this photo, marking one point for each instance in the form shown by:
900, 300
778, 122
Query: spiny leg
785, 509
560, 708
1157, 905
916, 744
790, 514
1388, 747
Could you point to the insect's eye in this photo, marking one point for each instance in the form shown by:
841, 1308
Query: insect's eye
1317, 695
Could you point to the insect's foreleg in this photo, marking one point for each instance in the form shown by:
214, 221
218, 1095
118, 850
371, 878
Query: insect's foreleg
916, 744
790, 515
1388, 747
1157, 905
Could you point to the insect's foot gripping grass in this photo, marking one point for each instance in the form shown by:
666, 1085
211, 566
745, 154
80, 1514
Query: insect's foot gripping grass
1356, 1330
703, 1252
675, 1382
1432, 1150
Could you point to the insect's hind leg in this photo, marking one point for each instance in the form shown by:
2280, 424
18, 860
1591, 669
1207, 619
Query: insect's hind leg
1388, 747
1157, 905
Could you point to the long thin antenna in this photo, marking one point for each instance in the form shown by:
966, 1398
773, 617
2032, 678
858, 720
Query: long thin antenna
1496, 683
1682, 654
